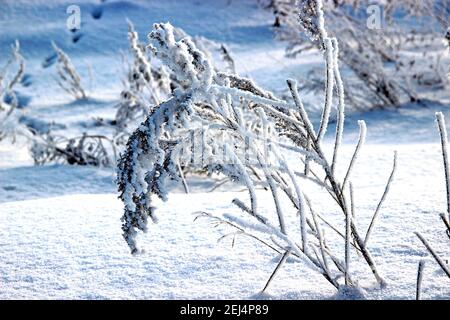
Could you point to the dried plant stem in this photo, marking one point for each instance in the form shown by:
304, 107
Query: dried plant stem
21, 65
277, 268
301, 204
68, 80
320, 237
336, 189
361, 140
182, 177
434, 254
329, 57
419, 279
8, 86
307, 160
444, 144
341, 105
383, 197
447, 224
347, 246
352, 209
292, 85
240, 230
225, 102
292, 246
352, 201
366, 254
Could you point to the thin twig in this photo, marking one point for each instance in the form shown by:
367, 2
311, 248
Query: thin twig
361, 140
347, 246
447, 224
241, 230
419, 279
434, 254
277, 268
328, 88
444, 143
183, 179
386, 191
341, 105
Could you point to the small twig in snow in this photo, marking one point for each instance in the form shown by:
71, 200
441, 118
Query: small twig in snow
383, 197
434, 254
419, 279
277, 268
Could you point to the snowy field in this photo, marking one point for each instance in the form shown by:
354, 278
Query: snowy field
60, 235
59, 241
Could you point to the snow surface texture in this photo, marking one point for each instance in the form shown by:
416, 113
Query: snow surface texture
71, 246
60, 231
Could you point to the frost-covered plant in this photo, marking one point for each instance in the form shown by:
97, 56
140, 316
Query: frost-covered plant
445, 156
174, 119
444, 216
130, 110
8, 98
148, 82
85, 150
244, 132
420, 272
217, 53
383, 75
145, 85
68, 78
141, 75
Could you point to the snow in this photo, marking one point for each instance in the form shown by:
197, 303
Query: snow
60, 235
70, 246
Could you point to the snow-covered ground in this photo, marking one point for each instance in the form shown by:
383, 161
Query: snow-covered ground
60, 233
